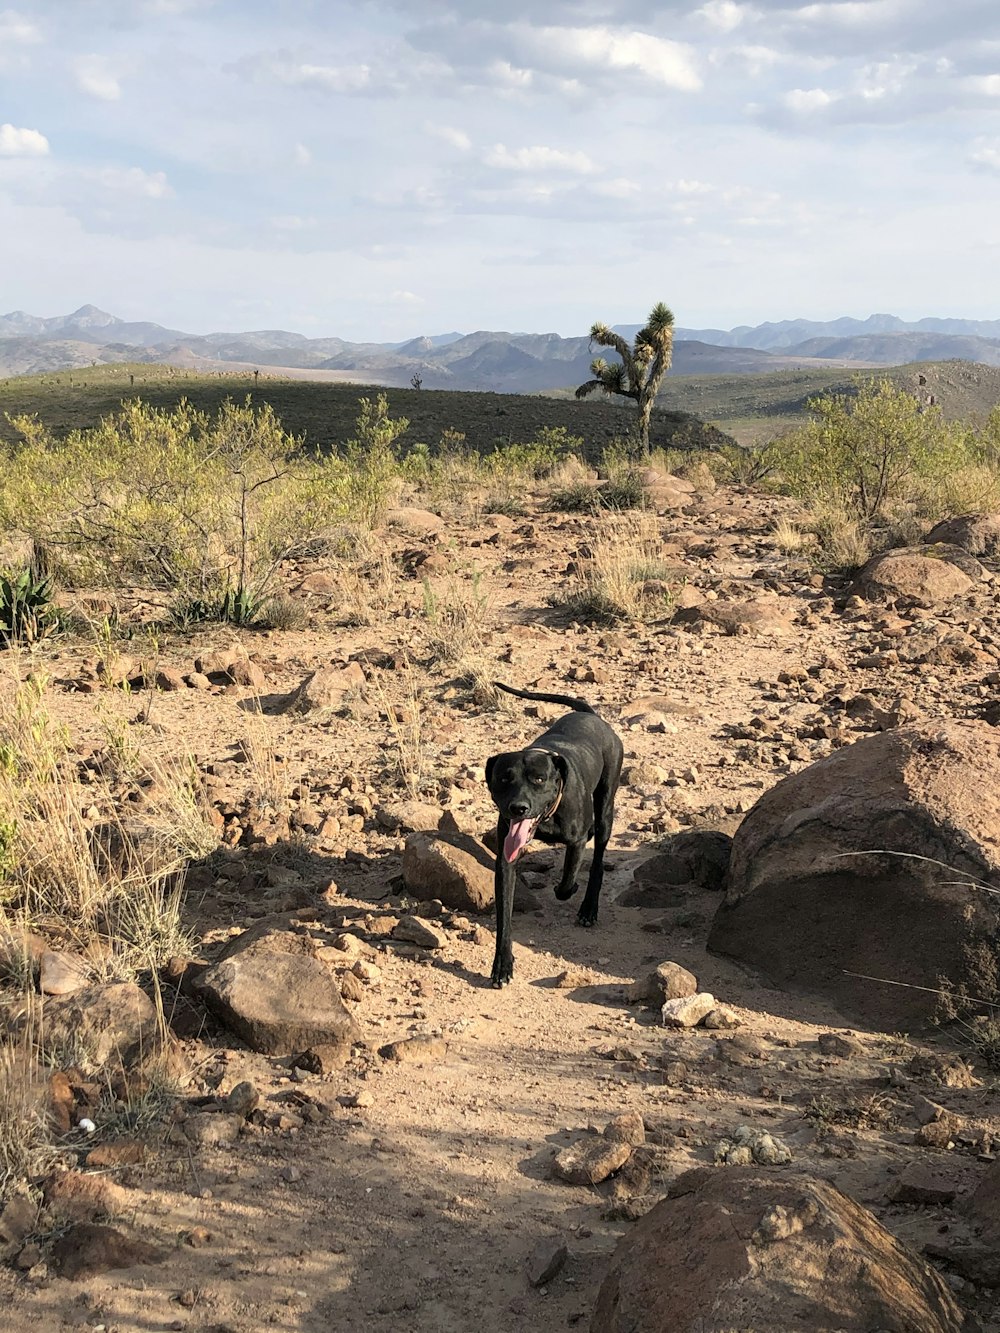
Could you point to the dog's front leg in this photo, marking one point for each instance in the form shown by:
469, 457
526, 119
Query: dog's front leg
504, 885
604, 811
571, 864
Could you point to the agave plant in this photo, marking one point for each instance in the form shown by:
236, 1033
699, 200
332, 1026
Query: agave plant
26, 610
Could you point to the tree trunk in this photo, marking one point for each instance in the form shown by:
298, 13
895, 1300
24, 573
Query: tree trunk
645, 412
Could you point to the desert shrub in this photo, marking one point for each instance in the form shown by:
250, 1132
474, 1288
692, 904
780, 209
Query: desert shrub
862, 452
456, 612
170, 498
844, 542
749, 465
371, 461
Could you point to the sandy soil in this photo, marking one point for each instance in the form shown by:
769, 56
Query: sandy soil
417, 1207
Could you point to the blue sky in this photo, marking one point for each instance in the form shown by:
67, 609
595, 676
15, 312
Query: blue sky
378, 170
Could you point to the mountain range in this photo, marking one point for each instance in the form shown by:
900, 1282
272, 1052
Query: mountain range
484, 360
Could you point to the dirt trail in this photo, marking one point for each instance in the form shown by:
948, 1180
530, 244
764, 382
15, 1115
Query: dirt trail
418, 1206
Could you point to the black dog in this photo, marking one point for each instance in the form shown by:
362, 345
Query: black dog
561, 789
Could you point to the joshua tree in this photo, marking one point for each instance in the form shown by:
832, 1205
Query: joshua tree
642, 367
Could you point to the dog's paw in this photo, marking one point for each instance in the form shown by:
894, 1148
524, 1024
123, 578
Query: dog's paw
586, 919
503, 973
562, 894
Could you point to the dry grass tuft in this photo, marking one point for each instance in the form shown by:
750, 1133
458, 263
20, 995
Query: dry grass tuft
626, 578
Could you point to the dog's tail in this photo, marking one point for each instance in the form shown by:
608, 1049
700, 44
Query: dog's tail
578, 705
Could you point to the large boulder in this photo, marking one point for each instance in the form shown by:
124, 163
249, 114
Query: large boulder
979, 534
272, 992
456, 869
828, 875
747, 1249
924, 576
100, 1024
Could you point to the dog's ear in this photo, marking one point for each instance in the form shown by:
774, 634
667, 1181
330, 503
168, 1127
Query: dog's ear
561, 765
491, 764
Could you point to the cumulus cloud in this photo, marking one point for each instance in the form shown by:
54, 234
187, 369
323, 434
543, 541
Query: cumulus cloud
805, 101
134, 181
724, 15
95, 76
539, 158
15, 142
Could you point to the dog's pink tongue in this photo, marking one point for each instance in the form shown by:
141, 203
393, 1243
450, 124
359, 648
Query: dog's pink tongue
518, 837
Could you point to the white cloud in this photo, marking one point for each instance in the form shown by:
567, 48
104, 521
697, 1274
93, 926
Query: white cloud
16, 142
671, 64
986, 84
806, 101
986, 155
135, 181
538, 158
333, 78
724, 15
15, 28
885, 78
456, 138
301, 155
406, 298
95, 76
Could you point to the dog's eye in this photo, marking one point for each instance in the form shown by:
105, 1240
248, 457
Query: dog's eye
537, 781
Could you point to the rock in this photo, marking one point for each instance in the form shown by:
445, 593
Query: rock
758, 618
351, 988
947, 1070
213, 1129
832, 1043
570, 980
243, 1099
939, 1133
925, 1110
414, 522
325, 690
62, 973
984, 1204
408, 816
455, 868
76, 1196
667, 981
925, 576
88, 1249
278, 1003
979, 534
119, 1152
721, 1018
110, 1021
413, 930
696, 856
367, 972
811, 898
688, 1011
749, 1145
413, 1050
590, 1161
17, 1219
169, 679
626, 1128
323, 1059
546, 1260
320, 583
921, 1182
20, 952
747, 1249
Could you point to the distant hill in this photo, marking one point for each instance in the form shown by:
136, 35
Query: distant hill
486, 360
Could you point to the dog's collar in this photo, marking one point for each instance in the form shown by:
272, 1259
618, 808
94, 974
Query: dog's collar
540, 749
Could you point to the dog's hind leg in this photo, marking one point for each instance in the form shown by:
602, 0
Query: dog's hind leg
571, 864
604, 817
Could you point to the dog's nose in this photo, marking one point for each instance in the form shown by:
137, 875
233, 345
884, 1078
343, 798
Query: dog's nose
518, 809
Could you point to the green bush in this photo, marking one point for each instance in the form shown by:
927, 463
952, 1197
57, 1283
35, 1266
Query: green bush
171, 498
866, 451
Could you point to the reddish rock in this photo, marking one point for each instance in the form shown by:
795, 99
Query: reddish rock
811, 898
743, 1248
456, 869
